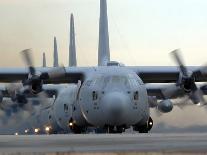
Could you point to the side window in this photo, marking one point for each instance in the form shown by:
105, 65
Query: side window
134, 82
136, 95
66, 108
94, 95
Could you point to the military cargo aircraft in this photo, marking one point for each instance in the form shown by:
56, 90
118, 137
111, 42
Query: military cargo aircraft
111, 96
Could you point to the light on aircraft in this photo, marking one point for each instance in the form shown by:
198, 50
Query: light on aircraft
199, 104
36, 130
26, 131
47, 129
16, 134
70, 124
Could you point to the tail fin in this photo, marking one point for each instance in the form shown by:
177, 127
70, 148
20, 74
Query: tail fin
103, 49
55, 63
72, 46
44, 60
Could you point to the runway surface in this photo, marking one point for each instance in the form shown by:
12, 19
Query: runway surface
105, 143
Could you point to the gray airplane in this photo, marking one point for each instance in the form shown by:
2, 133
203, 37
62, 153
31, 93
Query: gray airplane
45, 119
111, 96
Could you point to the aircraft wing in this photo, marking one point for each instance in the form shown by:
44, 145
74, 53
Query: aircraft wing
165, 74
163, 90
73, 74
149, 74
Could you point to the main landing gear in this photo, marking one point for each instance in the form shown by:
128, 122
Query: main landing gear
144, 128
110, 129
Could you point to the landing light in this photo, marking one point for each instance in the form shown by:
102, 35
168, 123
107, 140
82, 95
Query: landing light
36, 130
199, 104
16, 134
47, 128
71, 124
150, 123
26, 131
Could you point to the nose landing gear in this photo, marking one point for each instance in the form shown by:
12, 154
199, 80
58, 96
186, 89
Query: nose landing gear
111, 129
117, 129
144, 128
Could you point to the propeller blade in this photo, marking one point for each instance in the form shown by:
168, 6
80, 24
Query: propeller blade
13, 88
27, 56
197, 97
181, 102
179, 61
200, 71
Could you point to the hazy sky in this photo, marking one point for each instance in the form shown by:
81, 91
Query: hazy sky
142, 32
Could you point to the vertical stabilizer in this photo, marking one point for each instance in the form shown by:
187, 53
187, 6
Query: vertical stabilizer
55, 63
44, 60
103, 48
72, 46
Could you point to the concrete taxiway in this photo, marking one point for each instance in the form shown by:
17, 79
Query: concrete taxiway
105, 143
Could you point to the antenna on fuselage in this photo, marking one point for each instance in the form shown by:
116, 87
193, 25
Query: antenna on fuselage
72, 46
103, 47
55, 63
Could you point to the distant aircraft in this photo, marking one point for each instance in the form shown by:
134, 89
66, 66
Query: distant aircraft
111, 96
52, 117
44, 63
42, 118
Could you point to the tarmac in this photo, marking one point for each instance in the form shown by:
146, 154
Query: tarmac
104, 143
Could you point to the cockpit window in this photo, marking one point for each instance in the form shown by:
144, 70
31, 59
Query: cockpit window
106, 80
133, 81
116, 80
119, 79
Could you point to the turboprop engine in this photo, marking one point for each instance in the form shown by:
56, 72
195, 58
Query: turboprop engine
165, 106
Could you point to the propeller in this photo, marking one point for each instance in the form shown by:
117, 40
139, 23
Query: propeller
34, 80
19, 92
26, 55
187, 80
32, 85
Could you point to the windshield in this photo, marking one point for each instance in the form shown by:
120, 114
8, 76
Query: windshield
117, 80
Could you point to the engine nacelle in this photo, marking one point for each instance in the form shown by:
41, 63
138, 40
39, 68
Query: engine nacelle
186, 82
165, 106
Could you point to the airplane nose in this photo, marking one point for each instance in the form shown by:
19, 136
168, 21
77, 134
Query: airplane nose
115, 107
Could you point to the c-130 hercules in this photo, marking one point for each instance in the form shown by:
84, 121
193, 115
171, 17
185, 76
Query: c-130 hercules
112, 96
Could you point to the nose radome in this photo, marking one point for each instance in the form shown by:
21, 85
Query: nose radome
115, 104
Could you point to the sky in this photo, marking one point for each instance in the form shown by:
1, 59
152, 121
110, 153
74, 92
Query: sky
142, 32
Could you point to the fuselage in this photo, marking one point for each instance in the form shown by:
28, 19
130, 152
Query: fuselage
113, 96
